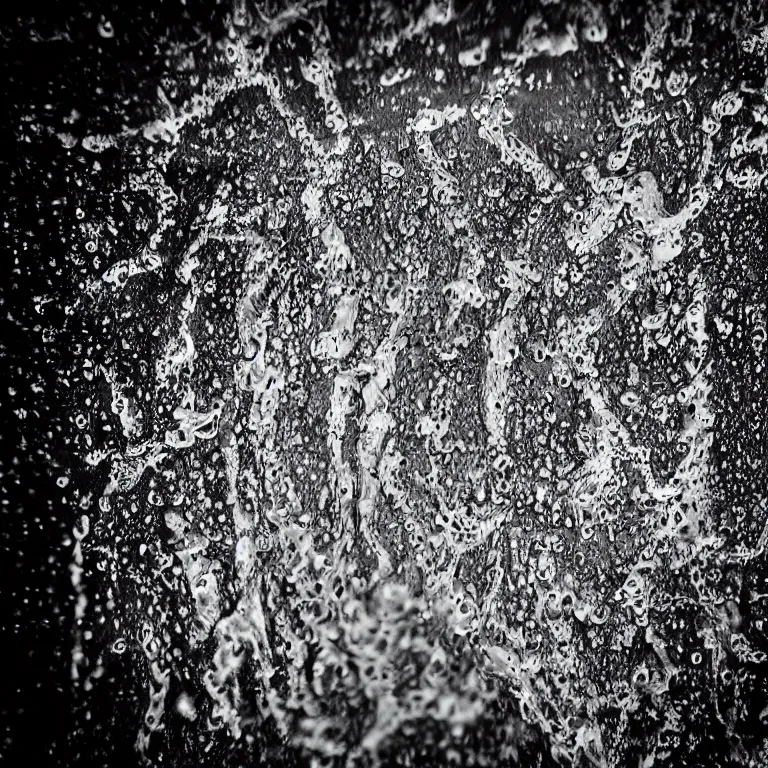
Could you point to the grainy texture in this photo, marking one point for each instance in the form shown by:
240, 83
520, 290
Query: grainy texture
388, 386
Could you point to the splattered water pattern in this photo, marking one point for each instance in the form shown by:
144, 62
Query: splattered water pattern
416, 413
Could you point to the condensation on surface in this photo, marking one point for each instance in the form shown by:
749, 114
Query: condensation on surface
416, 387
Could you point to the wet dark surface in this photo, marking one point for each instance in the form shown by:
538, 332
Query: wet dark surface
306, 546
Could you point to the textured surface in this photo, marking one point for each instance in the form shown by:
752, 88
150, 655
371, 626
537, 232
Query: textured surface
409, 382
